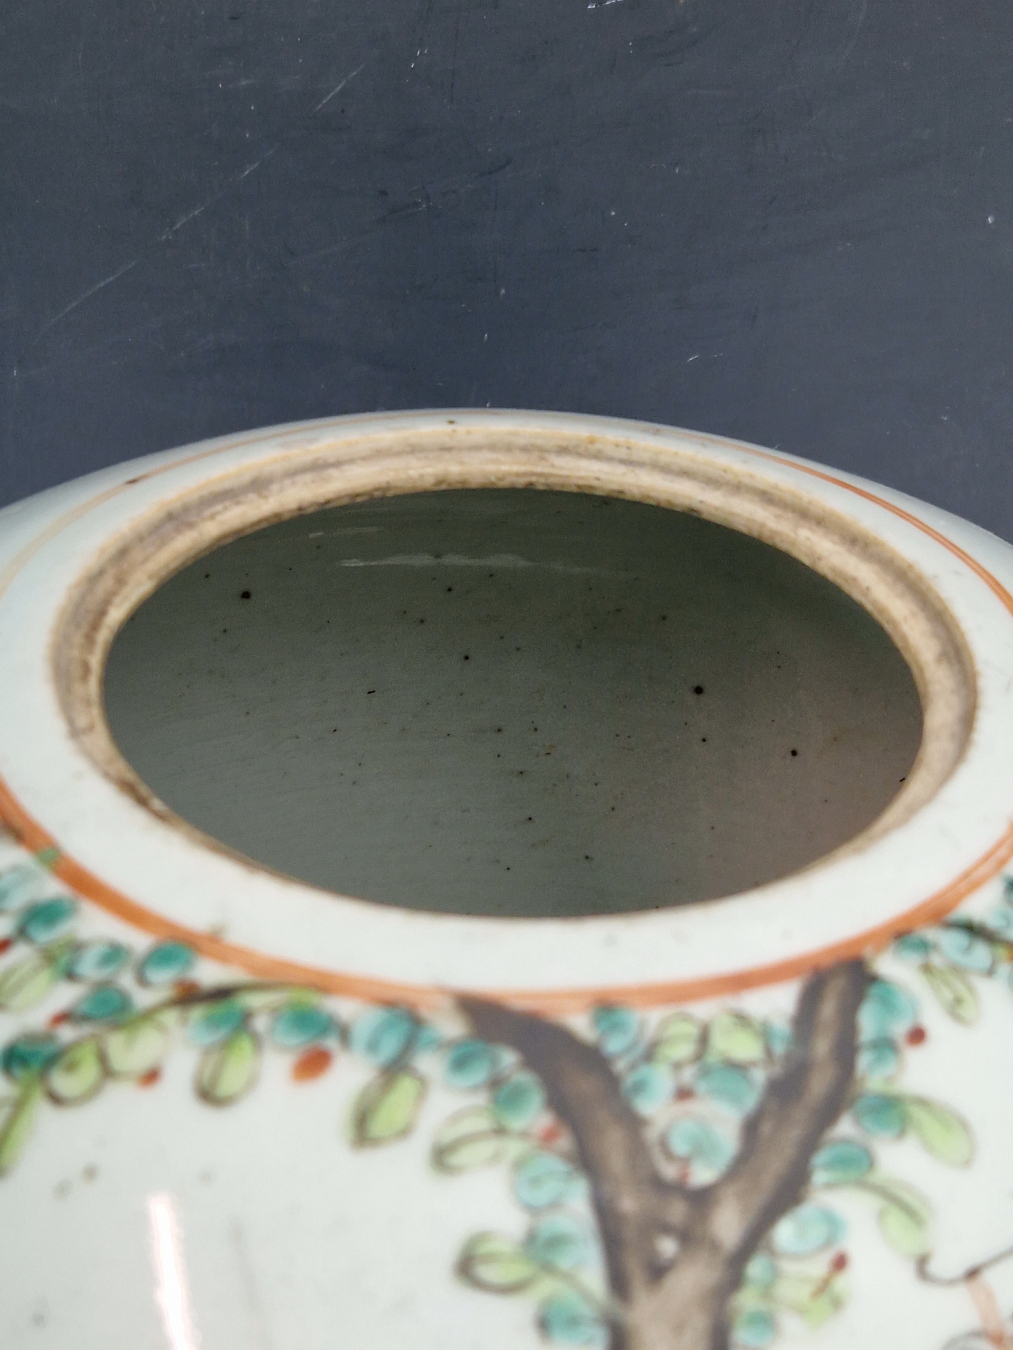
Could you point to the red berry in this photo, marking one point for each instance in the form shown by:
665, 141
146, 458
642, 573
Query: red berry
839, 1262
59, 1018
185, 988
311, 1063
684, 1093
550, 1133
150, 1078
916, 1035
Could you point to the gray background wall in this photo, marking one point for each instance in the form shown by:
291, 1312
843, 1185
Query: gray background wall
788, 221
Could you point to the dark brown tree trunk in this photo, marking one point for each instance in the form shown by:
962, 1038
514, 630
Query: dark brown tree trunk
681, 1302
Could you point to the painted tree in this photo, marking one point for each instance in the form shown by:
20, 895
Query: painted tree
678, 1173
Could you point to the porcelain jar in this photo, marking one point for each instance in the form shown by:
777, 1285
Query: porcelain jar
493, 879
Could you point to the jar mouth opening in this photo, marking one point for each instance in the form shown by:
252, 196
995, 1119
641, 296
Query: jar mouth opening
451, 457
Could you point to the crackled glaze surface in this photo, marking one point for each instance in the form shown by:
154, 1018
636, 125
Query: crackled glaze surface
242, 1112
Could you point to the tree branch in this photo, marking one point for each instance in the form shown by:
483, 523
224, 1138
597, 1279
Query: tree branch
682, 1303
771, 1170
633, 1203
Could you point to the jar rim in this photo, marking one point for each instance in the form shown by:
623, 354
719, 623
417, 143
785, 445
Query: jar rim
99, 547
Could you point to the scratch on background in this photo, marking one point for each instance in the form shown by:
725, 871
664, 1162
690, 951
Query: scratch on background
183, 220
92, 290
338, 87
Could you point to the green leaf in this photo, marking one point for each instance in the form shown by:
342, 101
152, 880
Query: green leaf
736, 1038
678, 1039
496, 1264
229, 1069
904, 1215
387, 1107
813, 1298
17, 1117
257, 998
137, 1047
77, 1074
470, 1138
942, 1132
26, 984
954, 991
906, 1231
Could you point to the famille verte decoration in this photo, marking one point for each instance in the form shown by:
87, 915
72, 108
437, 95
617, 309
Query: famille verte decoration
675, 1175
731, 1075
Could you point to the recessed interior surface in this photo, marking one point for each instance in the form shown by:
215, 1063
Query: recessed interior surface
514, 702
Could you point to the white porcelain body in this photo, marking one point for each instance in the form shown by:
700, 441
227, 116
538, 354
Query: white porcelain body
141, 1217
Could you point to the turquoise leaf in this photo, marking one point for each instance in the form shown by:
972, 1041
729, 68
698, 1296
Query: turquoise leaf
518, 1101
648, 1086
559, 1242
754, 1329
470, 1064
569, 1319
878, 1059
617, 1029
839, 1163
48, 919
214, 1024
965, 949
880, 1115
699, 1142
779, 1038
101, 1004
760, 1272
165, 963
1001, 919
29, 1054
20, 884
301, 1024
383, 1034
543, 1179
913, 947
886, 1009
734, 1088
807, 1229
97, 960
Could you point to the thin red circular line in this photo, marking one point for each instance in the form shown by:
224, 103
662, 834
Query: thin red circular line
559, 1001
